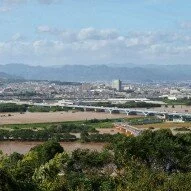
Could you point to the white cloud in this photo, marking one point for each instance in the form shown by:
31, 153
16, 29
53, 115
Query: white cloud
17, 37
186, 25
83, 34
44, 28
93, 46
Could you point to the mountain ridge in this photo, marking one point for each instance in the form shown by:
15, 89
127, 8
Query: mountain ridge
81, 73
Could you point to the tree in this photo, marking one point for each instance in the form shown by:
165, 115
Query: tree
47, 151
7, 183
50, 176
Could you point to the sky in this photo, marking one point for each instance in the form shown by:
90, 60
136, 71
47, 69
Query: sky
89, 32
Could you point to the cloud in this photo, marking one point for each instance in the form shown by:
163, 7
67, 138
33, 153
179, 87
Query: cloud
49, 1
96, 46
186, 25
4, 9
44, 29
83, 34
18, 37
9, 3
14, 2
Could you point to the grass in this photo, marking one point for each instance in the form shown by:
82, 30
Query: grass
99, 124
177, 102
165, 125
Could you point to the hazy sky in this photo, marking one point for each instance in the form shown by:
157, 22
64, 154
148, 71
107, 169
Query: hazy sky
58, 32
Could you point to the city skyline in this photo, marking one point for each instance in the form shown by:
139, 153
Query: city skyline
56, 32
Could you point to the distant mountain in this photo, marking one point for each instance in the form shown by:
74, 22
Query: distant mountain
5, 76
80, 73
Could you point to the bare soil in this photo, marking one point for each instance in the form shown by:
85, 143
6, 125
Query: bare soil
40, 117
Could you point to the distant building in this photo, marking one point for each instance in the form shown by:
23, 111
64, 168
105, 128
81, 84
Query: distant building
172, 97
86, 86
116, 84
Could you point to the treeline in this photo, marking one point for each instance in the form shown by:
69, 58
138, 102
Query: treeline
12, 107
60, 132
144, 121
181, 101
34, 135
131, 104
96, 137
51, 109
152, 161
71, 128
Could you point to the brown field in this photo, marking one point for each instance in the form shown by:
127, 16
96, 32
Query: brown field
17, 118
165, 125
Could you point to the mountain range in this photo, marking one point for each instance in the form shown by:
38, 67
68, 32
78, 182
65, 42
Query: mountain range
81, 73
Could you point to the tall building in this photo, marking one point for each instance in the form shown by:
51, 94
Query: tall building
116, 84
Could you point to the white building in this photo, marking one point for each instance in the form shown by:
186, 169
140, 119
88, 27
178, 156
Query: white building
116, 84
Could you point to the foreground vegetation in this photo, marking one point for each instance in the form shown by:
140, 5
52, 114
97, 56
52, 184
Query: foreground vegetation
152, 161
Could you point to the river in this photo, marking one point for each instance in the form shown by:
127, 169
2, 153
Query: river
9, 147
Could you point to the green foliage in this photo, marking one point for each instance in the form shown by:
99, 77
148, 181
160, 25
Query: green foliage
7, 183
131, 104
8, 162
47, 150
58, 131
157, 150
71, 128
36, 108
39, 155
48, 176
94, 123
182, 101
143, 121
152, 161
12, 107
39, 109
34, 135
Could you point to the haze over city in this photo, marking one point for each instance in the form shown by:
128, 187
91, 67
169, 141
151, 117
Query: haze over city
86, 32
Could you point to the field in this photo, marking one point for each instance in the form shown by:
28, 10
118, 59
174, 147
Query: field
165, 125
25, 118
